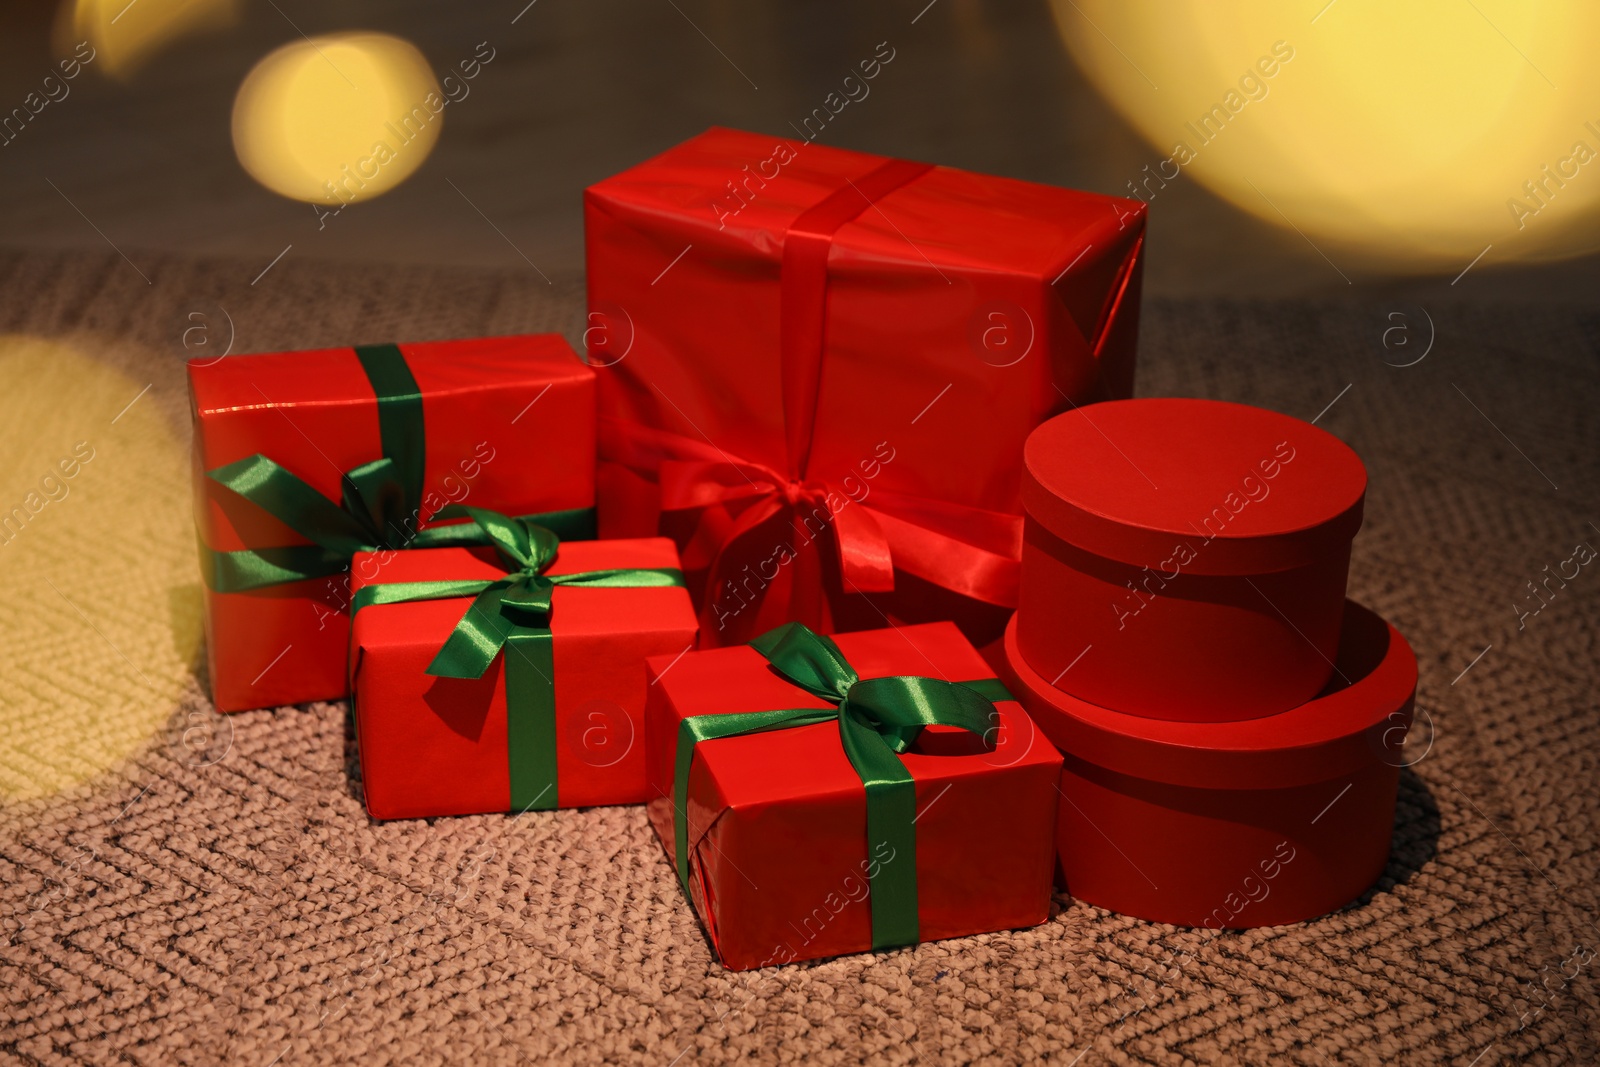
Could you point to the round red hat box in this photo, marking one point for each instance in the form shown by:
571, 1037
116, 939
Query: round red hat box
1186, 559
1257, 822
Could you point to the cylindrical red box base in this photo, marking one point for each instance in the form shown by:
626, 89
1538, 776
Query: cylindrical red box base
1233, 824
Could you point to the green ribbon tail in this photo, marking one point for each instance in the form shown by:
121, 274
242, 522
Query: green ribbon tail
477, 637
881, 718
531, 719
384, 493
891, 833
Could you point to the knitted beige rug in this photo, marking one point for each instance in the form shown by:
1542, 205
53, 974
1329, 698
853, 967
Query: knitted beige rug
176, 887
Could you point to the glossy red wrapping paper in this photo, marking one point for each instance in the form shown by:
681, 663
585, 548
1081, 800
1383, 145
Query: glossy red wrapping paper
1257, 822
437, 746
510, 426
777, 821
817, 368
1186, 559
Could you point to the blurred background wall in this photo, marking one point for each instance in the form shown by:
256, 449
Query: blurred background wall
1302, 181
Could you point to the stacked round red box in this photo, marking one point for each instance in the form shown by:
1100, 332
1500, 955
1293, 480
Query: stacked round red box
1186, 559
1232, 727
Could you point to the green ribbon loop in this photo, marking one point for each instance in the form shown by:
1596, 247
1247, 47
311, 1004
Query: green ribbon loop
809, 660
513, 613
362, 523
878, 718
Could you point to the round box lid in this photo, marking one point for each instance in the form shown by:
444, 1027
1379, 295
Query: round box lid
1360, 718
1250, 491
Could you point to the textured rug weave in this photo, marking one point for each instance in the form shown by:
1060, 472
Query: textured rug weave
212, 891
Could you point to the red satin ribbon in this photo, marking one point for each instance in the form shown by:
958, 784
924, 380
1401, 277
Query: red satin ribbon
968, 550
729, 499
805, 295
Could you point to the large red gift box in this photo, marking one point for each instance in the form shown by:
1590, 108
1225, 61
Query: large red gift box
779, 862
455, 746
504, 422
817, 368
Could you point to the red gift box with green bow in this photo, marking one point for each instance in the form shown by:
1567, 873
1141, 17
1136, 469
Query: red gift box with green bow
302, 459
509, 678
821, 796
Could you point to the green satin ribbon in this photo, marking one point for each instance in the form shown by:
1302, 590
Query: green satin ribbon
401, 430
878, 718
380, 505
513, 613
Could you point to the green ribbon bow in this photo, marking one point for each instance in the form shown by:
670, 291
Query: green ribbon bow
513, 613
879, 718
380, 505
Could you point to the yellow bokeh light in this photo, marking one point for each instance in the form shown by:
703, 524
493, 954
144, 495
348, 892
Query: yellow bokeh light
121, 36
1410, 136
100, 630
337, 119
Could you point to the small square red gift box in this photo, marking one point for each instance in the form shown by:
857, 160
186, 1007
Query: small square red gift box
825, 796
302, 459
512, 677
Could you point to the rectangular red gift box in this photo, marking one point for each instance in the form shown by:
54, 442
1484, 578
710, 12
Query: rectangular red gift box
507, 423
817, 368
778, 855
439, 746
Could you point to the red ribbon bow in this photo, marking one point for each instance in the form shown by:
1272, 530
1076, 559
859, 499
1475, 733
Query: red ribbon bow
724, 502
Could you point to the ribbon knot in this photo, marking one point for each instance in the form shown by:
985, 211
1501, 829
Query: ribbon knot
526, 601
719, 509
524, 546
526, 550
374, 496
